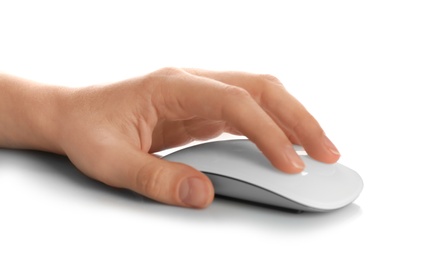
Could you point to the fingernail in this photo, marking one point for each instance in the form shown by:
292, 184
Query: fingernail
295, 159
330, 146
194, 192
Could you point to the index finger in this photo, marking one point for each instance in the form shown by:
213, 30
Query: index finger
283, 108
181, 96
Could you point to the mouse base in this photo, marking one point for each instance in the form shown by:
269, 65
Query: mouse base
288, 210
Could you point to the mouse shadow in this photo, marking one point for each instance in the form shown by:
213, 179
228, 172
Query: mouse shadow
48, 166
276, 219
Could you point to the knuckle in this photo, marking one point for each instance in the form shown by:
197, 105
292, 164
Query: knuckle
161, 76
268, 78
164, 88
298, 123
305, 123
170, 71
268, 81
236, 92
269, 88
149, 181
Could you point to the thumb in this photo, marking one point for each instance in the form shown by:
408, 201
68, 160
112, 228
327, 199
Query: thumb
163, 181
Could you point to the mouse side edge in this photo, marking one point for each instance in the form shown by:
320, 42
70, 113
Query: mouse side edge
244, 191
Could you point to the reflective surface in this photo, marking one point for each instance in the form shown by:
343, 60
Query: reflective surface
238, 169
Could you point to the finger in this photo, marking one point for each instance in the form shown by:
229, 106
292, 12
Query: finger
290, 134
290, 115
125, 166
294, 117
193, 96
168, 134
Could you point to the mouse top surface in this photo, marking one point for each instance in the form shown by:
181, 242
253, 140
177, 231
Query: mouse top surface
320, 185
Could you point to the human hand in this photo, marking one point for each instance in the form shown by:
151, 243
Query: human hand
110, 131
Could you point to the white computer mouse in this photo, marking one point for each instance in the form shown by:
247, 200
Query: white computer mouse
239, 170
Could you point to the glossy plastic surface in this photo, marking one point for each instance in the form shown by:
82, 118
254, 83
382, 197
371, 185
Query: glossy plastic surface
238, 169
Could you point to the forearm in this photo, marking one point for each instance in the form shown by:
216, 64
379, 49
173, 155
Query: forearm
29, 114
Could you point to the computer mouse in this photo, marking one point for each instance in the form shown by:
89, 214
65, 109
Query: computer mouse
239, 170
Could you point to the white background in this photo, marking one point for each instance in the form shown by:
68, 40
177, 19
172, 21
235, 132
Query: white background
355, 65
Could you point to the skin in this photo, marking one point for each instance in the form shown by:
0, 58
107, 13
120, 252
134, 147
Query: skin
109, 132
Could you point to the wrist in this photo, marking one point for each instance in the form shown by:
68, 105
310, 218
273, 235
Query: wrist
48, 122
30, 115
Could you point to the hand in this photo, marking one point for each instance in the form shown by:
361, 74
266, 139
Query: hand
110, 131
